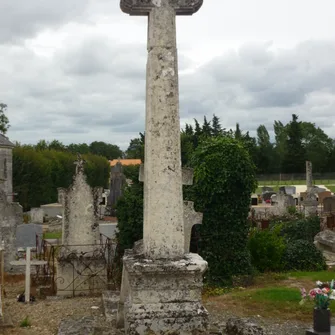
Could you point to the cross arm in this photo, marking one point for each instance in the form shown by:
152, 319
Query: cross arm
143, 7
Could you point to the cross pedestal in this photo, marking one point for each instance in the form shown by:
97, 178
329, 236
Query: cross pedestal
161, 284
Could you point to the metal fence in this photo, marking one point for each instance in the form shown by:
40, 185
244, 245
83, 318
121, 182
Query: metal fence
284, 178
73, 270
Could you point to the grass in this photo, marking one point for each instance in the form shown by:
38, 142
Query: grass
25, 322
272, 296
52, 235
313, 276
295, 182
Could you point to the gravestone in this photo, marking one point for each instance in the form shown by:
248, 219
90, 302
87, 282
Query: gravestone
36, 215
161, 284
117, 181
323, 195
329, 205
11, 215
283, 202
80, 211
80, 258
26, 235
310, 203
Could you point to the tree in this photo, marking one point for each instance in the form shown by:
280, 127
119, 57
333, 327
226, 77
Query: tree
295, 153
265, 150
238, 132
216, 126
224, 180
318, 146
110, 151
206, 128
136, 148
4, 122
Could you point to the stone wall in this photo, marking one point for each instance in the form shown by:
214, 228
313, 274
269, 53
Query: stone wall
10, 217
6, 172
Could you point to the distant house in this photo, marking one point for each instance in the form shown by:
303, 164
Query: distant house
125, 162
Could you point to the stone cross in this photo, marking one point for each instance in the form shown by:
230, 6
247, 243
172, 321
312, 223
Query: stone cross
80, 162
309, 176
163, 231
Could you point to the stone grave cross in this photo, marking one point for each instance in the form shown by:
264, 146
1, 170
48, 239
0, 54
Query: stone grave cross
163, 231
80, 162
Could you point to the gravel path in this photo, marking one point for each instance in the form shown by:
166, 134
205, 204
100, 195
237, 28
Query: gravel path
46, 315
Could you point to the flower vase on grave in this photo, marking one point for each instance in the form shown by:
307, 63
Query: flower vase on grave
321, 320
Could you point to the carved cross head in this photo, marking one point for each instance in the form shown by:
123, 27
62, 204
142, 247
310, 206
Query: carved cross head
80, 162
143, 7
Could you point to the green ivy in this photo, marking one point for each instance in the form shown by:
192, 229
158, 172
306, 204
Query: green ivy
301, 255
267, 249
224, 180
304, 229
129, 209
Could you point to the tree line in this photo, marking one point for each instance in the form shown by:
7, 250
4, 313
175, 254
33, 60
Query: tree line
37, 173
293, 144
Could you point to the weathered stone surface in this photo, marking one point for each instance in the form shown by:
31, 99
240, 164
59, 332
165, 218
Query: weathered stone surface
144, 7
325, 242
77, 326
10, 217
117, 181
187, 175
110, 301
236, 326
162, 295
80, 212
283, 201
81, 274
163, 230
309, 175
36, 215
6, 167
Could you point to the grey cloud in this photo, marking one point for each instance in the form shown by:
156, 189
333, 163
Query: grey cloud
96, 90
24, 19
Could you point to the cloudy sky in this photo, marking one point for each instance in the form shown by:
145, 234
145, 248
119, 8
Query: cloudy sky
74, 70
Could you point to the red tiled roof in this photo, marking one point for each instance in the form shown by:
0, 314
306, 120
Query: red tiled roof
125, 162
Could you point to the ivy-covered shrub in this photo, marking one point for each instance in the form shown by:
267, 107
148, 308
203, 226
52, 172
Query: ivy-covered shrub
224, 180
301, 229
267, 249
129, 209
302, 255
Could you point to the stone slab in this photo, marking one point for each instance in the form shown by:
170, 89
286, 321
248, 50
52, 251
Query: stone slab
108, 229
110, 300
6, 321
79, 326
313, 332
26, 235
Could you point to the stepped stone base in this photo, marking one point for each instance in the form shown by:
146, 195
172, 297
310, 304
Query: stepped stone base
110, 302
162, 296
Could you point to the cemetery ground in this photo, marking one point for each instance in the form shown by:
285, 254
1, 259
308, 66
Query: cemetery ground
271, 301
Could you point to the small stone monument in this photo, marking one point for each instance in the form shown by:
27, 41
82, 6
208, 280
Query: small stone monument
161, 284
117, 180
310, 203
80, 257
